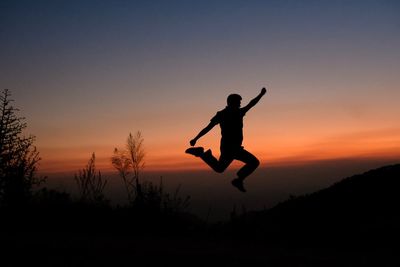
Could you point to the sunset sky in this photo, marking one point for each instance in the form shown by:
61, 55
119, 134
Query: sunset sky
86, 73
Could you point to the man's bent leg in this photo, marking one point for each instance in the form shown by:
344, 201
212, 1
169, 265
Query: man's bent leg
251, 163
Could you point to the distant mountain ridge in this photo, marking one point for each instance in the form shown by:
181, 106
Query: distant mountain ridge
359, 208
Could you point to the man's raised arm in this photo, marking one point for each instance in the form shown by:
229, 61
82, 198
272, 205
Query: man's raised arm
202, 132
254, 101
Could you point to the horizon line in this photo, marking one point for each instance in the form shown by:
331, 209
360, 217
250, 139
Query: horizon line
198, 167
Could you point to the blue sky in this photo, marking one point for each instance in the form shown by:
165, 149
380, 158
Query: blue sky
80, 68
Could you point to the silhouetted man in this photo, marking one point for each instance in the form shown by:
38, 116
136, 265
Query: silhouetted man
230, 120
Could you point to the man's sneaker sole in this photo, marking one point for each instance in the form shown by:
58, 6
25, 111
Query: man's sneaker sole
195, 151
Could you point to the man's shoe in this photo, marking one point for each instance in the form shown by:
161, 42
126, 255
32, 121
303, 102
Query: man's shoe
238, 183
195, 151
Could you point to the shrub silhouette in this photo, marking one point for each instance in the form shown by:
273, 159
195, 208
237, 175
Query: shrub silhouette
144, 195
18, 156
154, 197
129, 163
91, 185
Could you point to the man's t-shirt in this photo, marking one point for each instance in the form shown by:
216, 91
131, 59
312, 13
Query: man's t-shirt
231, 123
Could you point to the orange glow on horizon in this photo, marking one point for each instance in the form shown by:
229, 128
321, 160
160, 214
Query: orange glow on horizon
384, 144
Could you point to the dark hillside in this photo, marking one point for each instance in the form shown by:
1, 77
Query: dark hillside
352, 223
363, 208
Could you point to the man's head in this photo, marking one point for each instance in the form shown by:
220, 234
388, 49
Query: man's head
234, 100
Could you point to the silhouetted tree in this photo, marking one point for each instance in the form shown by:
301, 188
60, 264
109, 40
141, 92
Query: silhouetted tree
129, 163
18, 156
91, 185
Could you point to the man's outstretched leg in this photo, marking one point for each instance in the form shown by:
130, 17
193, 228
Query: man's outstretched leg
251, 163
207, 156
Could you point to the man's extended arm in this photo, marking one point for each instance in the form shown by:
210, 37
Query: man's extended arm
202, 132
254, 101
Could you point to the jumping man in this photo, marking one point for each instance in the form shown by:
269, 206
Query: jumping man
230, 120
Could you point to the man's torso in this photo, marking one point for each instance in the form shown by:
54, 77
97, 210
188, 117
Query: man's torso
231, 123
